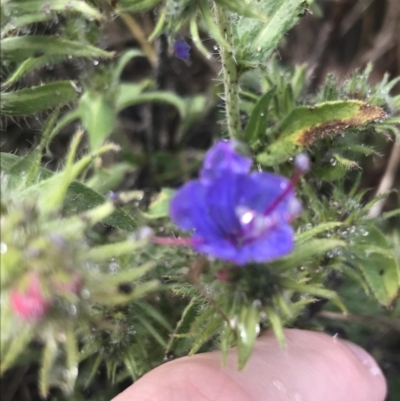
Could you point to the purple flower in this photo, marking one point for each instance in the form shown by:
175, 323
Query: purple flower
181, 49
236, 215
223, 157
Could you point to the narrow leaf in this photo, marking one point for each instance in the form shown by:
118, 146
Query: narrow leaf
19, 48
160, 206
98, 117
247, 328
37, 99
48, 357
257, 123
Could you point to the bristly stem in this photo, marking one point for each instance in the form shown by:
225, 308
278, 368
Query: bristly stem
230, 73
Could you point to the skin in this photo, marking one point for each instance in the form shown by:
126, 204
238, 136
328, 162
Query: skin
313, 367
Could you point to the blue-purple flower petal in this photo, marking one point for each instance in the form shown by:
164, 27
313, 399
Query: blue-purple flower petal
188, 210
181, 49
258, 191
222, 157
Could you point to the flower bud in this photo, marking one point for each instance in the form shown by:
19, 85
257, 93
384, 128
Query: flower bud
302, 163
29, 304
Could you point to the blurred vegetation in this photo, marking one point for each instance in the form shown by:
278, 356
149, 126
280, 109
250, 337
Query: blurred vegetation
101, 123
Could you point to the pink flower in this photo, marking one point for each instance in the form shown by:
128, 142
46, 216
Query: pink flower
29, 304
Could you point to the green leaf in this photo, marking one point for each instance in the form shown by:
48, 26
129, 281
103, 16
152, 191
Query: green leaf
257, 123
79, 197
242, 8
48, 357
37, 99
257, 40
72, 353
98, 117
125, 6
382, 273
123, 60
106, 179
187, 316
305, 125
304, 252
311, 289
128, 98
43, 7
277, 325
25, 171
29, 65
247, 328
312, 232
20, 48
11, 350
203, 333
160, 206
378, 264
106, 252
20, 21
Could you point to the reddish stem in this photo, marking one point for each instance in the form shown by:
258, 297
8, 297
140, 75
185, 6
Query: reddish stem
173, 241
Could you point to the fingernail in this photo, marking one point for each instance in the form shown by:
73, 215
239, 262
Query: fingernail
366, 359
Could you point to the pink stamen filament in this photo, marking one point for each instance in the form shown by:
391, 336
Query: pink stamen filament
174, 241
293, 182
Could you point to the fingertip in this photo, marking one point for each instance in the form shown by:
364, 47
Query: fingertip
314, 367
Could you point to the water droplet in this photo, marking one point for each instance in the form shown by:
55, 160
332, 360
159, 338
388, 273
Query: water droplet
257, 303
85, 293
72, 309
113, 267
363, 232
95, 62
262, 114
3, 248
333, 161
279, 386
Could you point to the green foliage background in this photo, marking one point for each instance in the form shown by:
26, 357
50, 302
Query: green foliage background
134, 305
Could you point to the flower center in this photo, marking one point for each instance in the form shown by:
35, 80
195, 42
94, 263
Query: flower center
252, 224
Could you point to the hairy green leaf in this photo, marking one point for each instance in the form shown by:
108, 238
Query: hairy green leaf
79, 197
29, 65
258, 39
257, 123
37, 99
305, 125
160, 206
247, 328
98, 117
46, 7
20, 48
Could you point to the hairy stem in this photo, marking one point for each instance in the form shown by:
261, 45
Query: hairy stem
230, 74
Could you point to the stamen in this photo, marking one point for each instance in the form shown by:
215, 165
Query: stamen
174, 241
302, 163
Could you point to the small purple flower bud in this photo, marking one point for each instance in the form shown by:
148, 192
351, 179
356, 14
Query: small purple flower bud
181, 49
302, 163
